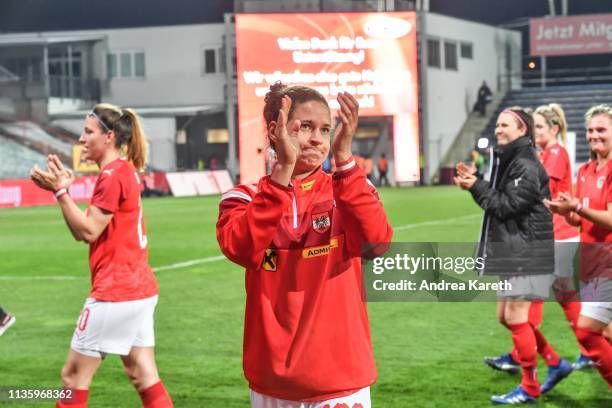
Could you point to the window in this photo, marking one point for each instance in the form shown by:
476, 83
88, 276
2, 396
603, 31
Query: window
466, 50
450, 55
139, 64
211, 61
111, 66
125, 64
433, 53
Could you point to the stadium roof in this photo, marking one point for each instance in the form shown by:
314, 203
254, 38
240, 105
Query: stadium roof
154, 111
39, 39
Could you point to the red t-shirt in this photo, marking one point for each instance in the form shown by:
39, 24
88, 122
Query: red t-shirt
594, 188
557, 164
118, 259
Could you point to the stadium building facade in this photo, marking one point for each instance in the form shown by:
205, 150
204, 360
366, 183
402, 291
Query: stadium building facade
182, 80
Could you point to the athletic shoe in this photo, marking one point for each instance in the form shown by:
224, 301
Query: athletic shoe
6, 323
582, 363
556, 374
518, 396
503, 363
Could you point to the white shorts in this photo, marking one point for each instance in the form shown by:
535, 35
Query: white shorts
114, 327
360, 399
529, 287
565, 250
596, 297
601, 311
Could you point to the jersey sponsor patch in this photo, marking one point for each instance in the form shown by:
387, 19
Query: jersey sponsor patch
320, 250
321, 222
308, 185
270, 260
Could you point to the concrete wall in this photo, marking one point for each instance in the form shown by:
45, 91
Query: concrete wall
174, 60
160, 133
451, 94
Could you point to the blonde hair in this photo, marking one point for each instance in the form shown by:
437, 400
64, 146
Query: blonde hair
554, 115
596, 111
128, 131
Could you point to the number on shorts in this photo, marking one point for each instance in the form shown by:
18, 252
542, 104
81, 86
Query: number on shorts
83, 319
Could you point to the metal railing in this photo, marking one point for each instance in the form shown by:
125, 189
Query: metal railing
555, 77
57, 87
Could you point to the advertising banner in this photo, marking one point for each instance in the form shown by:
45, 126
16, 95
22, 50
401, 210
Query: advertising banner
584, 34
370, 55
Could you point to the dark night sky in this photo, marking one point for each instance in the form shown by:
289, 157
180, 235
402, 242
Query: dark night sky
48, 15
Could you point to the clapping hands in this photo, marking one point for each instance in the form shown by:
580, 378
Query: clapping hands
465, 177
55, 177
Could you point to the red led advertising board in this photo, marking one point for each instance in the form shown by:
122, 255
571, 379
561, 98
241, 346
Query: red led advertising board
371, 55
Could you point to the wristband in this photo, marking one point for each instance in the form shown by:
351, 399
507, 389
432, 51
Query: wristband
60, 192
578, 208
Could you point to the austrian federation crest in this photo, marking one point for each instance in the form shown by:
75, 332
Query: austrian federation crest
321, 222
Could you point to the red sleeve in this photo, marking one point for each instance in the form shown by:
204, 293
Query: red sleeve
107, 194
579, 181
247, 222
358, 201
608, 192
556, 164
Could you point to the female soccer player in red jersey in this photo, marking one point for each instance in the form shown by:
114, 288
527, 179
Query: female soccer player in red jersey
591, 209
118, 314
299, 233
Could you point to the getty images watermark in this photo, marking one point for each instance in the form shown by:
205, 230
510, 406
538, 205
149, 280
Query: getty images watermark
465, 272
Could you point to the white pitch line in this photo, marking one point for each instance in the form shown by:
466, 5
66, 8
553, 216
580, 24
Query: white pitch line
437, 222
189, 263
216, 258
31, 278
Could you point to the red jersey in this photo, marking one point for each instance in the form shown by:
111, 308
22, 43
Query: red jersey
307, 334
556, 162
594, 189
118, 259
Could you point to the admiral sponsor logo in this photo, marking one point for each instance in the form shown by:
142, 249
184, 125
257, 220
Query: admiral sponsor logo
320, 250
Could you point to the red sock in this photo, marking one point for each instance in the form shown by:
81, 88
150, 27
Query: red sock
548, 353
76, 399
572, 311
156, 396
598, 350
525, 342
536, 311
515, 355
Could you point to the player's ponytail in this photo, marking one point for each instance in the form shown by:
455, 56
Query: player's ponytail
560, 121
135, 140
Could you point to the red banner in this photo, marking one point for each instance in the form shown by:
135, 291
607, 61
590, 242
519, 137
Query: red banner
24, 193
590, 34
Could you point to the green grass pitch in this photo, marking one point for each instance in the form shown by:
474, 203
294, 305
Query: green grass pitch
428, 354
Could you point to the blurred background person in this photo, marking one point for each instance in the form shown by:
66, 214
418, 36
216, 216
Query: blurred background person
383, 167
